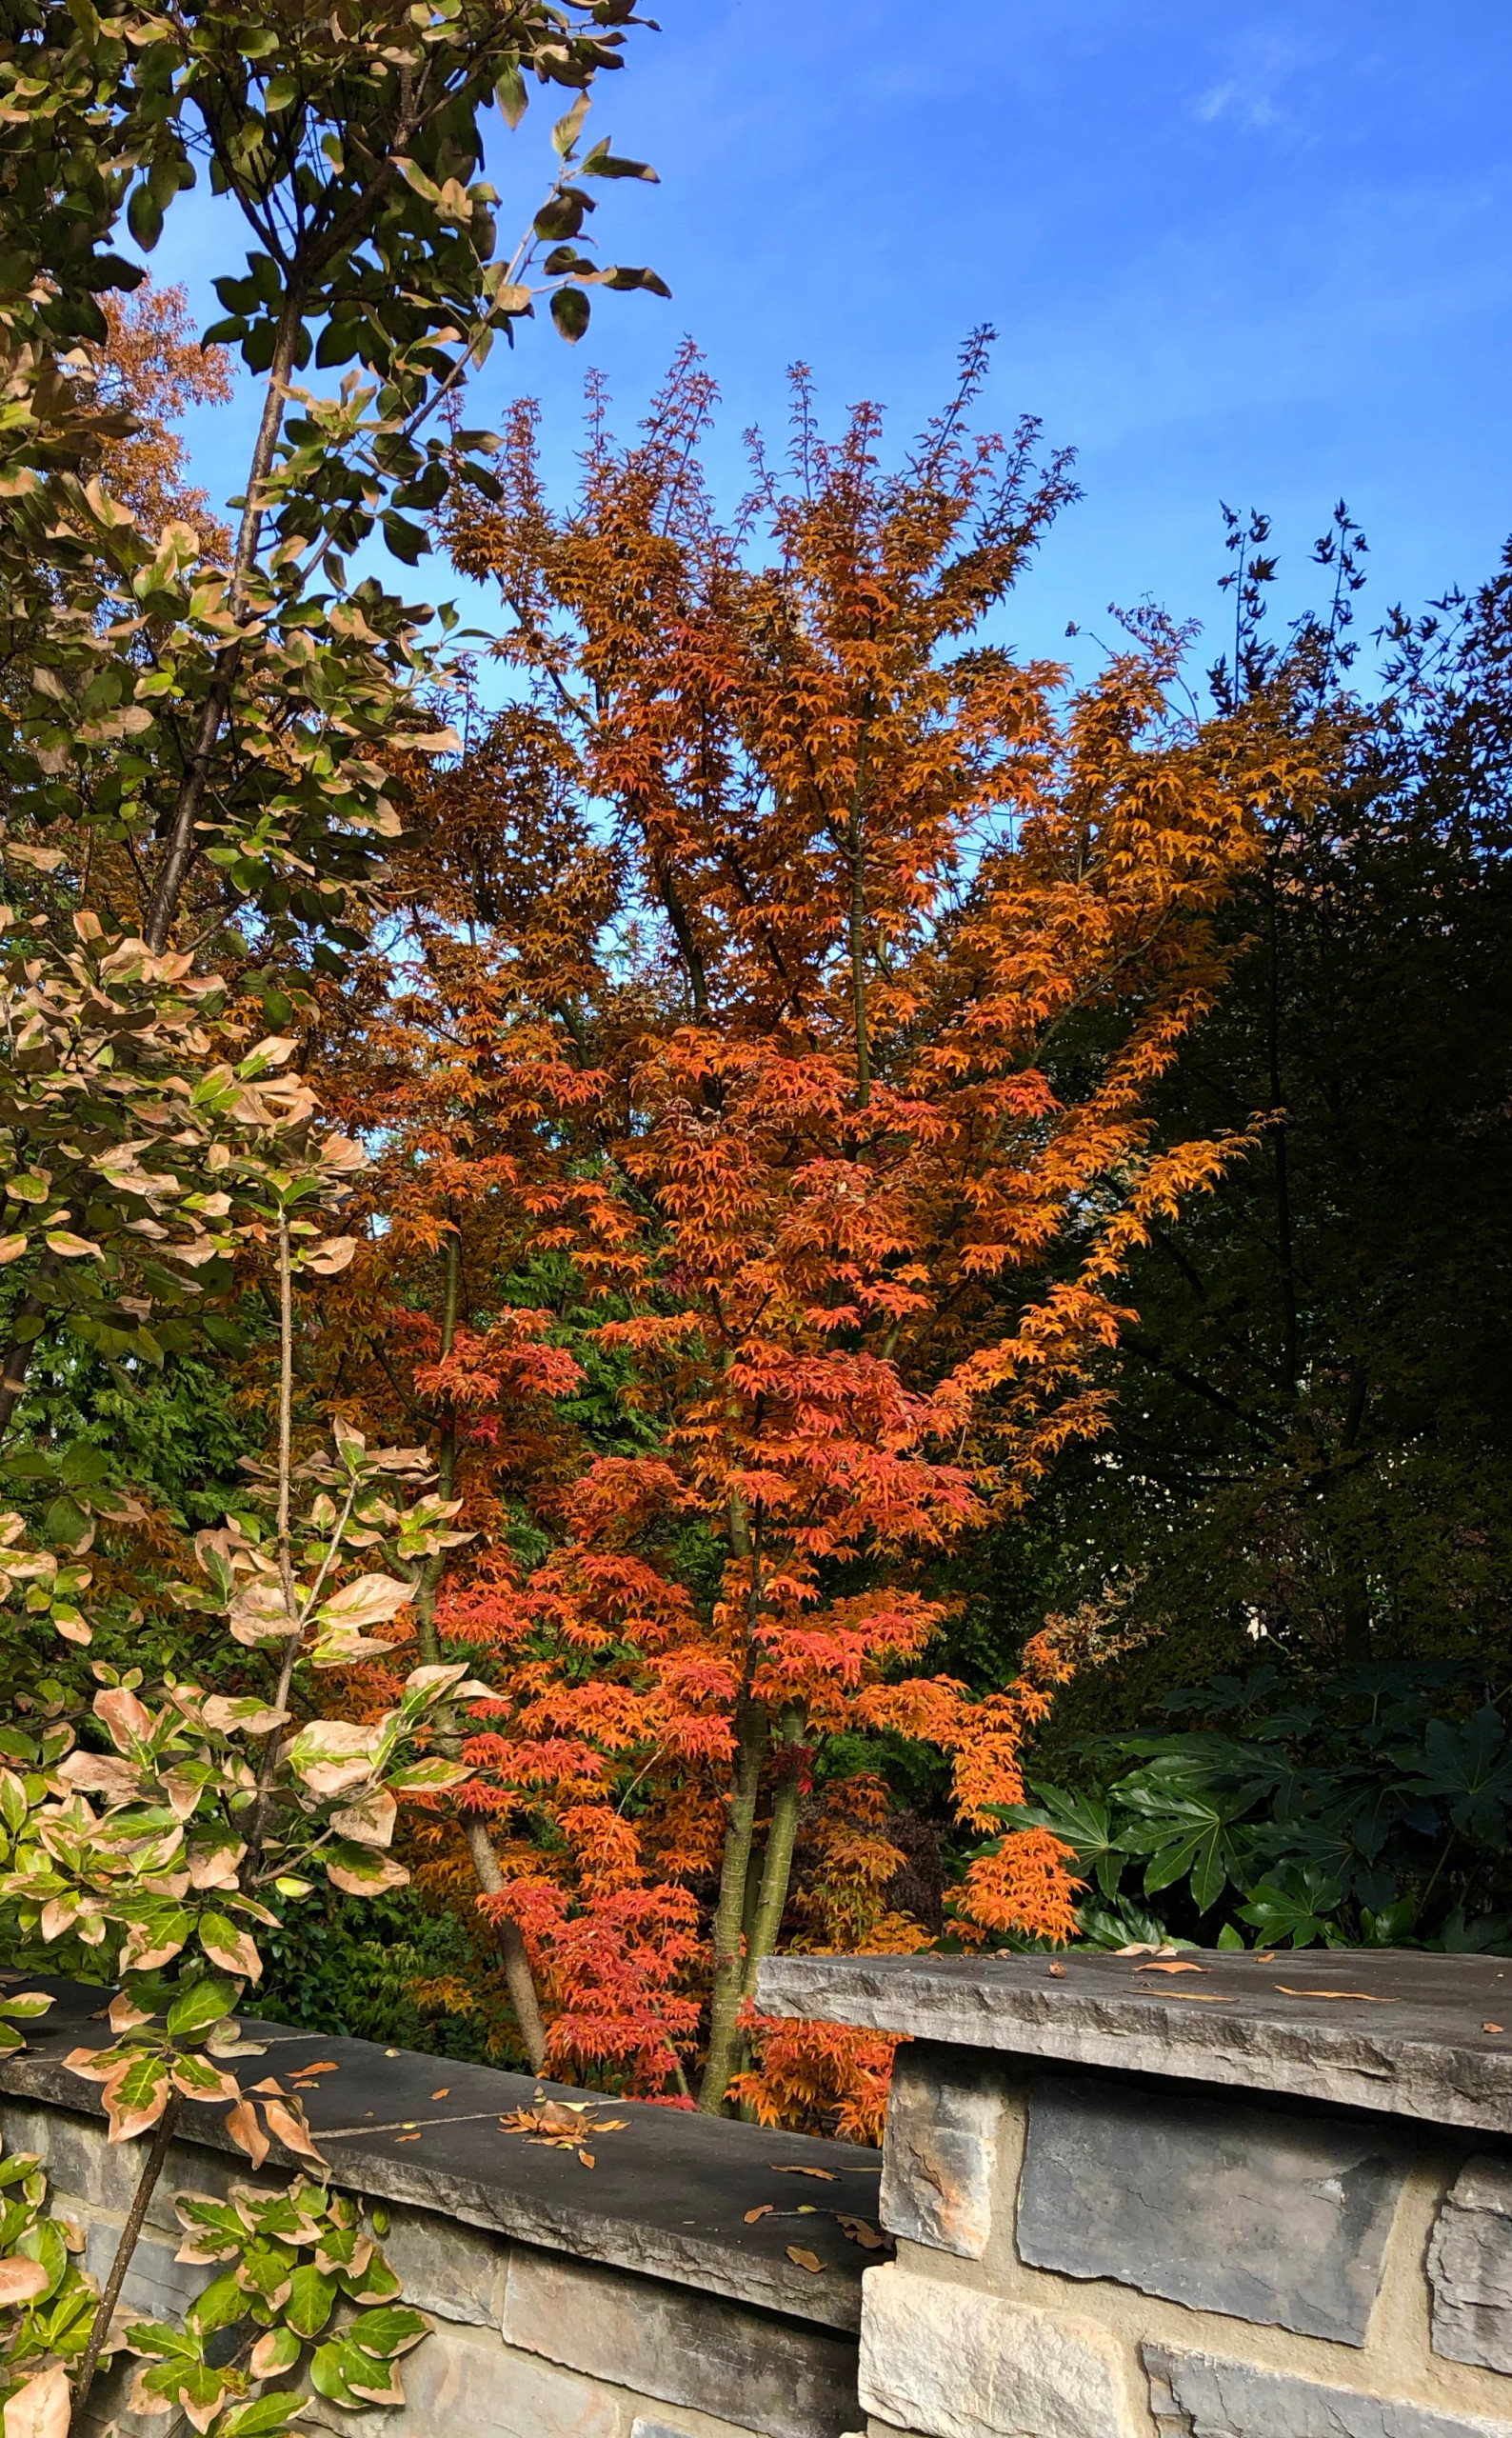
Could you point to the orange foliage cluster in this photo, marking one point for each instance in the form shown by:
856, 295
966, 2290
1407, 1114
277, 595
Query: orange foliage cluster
763, 1120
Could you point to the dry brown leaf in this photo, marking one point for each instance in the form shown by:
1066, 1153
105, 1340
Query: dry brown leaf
444, 2092
22, 2280
291, 2130
241, 2124
825, 2175
809, 2260
763, 2210
1491, 2027
1270, 1956
1202, 1997
1369, 1996
269, 2084
1170, 1968
860, 2231
587, 2157
407, 2137
1059, 1971
321, 2065
41, 2409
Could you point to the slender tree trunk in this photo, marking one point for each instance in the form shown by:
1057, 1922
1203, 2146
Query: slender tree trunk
730, 1963
1286, 1249
145, 2186
18, 1354
257, 1826
777, 1863
518, 1979
182, 845
856, 841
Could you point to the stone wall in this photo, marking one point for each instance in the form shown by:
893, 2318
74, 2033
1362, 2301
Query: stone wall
632, 2301
1095, 2251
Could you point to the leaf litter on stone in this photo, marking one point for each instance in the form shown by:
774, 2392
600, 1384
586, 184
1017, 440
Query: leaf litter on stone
1170, 1968
825, 2175
802, 2259
560, 2125
1372, 1997
860, 2231
763, 2210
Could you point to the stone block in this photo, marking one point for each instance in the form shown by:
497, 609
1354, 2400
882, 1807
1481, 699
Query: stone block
156, 2285
454, 2271
643, 2426
1267, 2216
1199, 2395
942, 2151
951, 2362
767, 2374
458, 2386
1470, 2266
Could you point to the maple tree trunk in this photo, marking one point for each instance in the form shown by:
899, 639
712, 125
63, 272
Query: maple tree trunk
729, 1962
145, 2186
777, 1863
856, 845
518, 1979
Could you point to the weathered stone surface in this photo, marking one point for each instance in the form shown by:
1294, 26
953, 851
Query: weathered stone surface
681, 2347
670, 2195
642, 2426
666, 2197
1411, 2044
1199, 2395
156, 2284
940, 2153
462, 2387
447, 2268
1267, 2216
951, 2362
1470, 2266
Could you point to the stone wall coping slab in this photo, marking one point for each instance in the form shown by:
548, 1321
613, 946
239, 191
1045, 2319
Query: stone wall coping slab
668, 2196
1407, 2034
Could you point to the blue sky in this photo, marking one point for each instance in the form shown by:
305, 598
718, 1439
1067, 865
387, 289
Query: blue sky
1259, 253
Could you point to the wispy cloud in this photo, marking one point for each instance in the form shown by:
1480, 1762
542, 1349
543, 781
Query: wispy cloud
1251, 92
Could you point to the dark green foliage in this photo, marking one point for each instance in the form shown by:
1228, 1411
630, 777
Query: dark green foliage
352, 1966
1366, 1807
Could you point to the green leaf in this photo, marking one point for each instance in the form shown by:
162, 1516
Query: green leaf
144, 217
221, 2305
602, 163
570, 312
389, 2330
264, 2416
328, 2377
27, 2005
199, 2007
311, 2297
565, 134
509, 93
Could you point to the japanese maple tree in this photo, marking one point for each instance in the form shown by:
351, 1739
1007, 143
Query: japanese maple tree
853, 947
